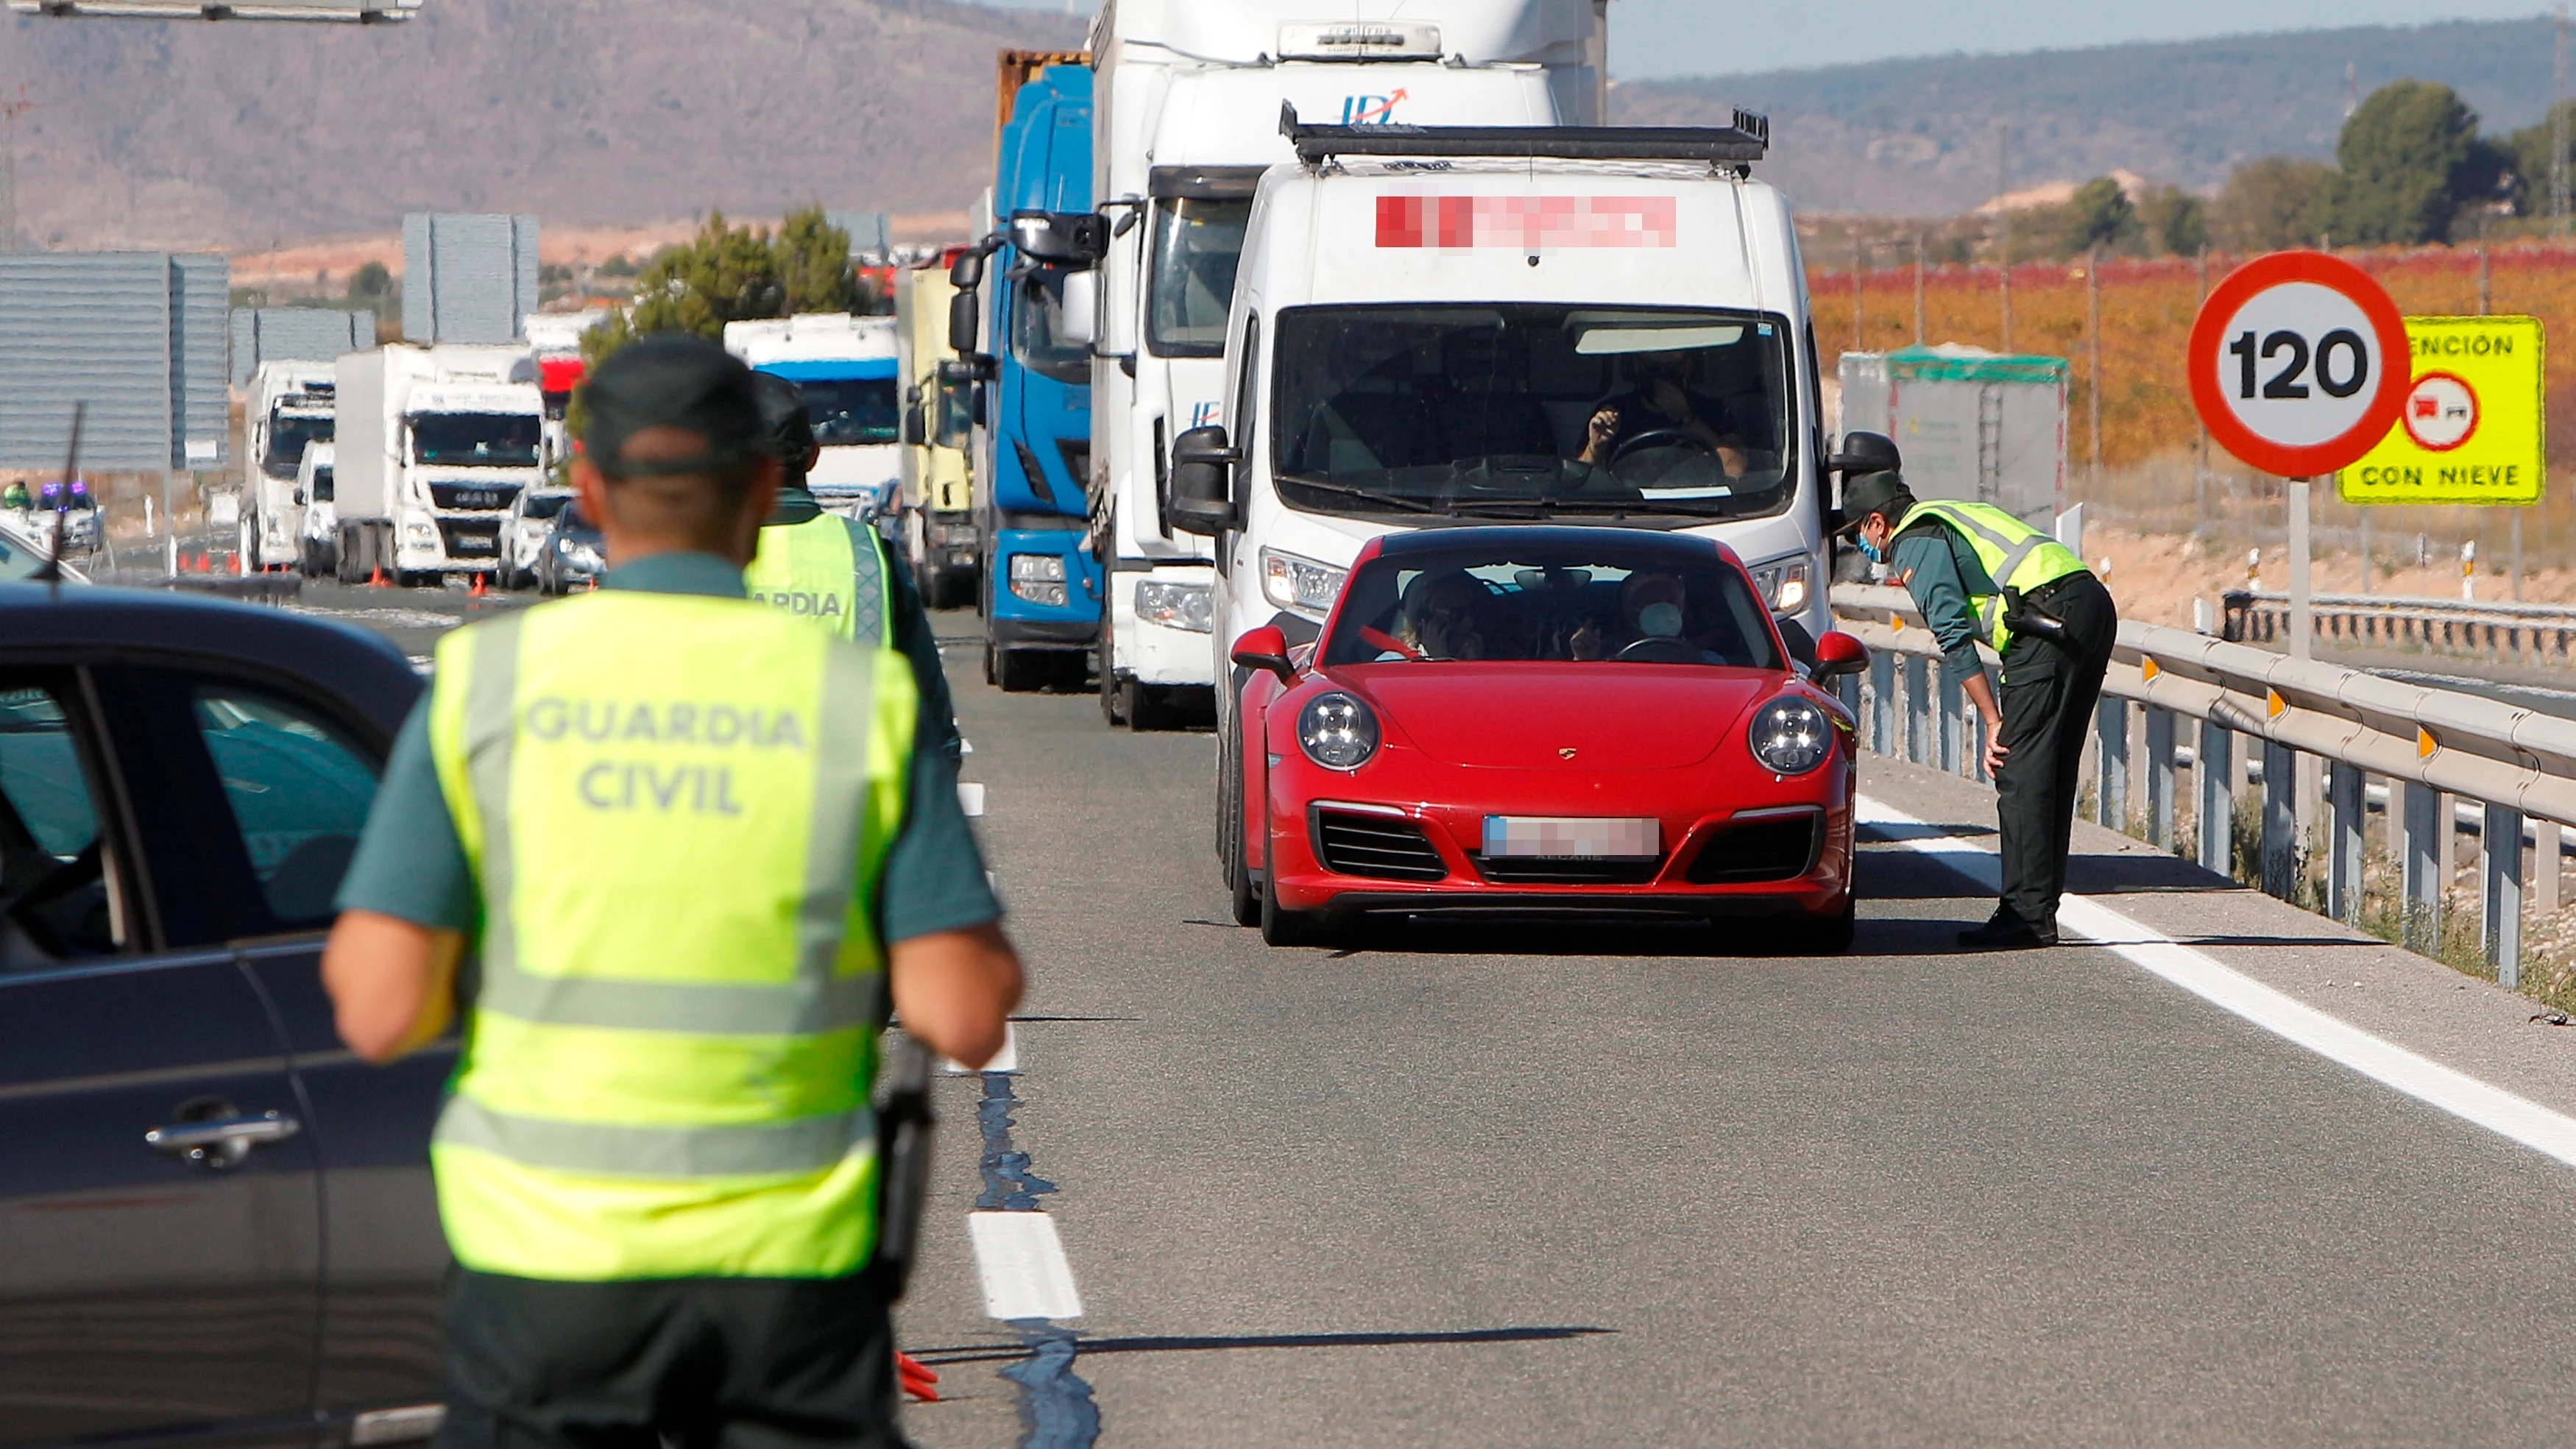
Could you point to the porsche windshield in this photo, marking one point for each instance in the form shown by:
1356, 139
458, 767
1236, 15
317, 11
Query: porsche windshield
1598, 600
1532, 410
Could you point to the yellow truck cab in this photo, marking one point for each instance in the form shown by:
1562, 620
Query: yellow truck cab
937, 523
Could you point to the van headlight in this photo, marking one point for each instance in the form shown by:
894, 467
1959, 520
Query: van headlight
1300, 585
1786, 585
1791, 736
1337, 731
1187, 607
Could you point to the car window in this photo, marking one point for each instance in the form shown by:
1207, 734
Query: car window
299, 793
1591, 600
57, 896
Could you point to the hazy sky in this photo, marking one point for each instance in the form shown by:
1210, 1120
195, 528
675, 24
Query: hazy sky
1705, 37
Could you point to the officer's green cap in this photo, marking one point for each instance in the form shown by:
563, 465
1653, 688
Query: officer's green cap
1873, 493
782, 411
673, 380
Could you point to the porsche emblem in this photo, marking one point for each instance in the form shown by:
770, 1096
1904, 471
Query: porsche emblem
1565, 753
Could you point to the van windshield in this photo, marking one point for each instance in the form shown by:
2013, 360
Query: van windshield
1197, 243
1518, 410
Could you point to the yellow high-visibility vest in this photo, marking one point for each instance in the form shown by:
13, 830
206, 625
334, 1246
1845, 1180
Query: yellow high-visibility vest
2014, 554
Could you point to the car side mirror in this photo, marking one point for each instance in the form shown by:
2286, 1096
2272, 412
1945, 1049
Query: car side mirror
965, 322
299, 497
1203, 462
1267, 649
1838, 654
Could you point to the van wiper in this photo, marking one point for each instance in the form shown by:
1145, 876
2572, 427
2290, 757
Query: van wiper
1361, 495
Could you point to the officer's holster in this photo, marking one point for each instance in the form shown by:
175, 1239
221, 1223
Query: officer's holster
2024, 617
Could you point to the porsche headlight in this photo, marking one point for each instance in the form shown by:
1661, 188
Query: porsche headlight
1785, 585
1337, 731
1791, 736
1300, 585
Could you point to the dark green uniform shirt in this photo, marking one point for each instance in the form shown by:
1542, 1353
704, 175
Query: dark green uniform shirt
1946, 578
410, 865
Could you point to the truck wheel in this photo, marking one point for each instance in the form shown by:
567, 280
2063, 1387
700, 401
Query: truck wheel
246, 544
1112, 706
1021, 671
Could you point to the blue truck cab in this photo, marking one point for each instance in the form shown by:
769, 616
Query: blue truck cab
1043, 586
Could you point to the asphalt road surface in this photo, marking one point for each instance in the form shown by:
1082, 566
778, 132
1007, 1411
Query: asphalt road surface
1629, 1186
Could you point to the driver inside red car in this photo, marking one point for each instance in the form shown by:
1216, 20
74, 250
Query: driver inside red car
1446, 614
1661, 409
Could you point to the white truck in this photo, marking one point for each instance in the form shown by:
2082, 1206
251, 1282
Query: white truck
433, 445
317, 486
1184, 123
1502, 325
290, 406
847, 366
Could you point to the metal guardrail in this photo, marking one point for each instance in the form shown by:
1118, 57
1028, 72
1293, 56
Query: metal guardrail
2430, 744
2533, 632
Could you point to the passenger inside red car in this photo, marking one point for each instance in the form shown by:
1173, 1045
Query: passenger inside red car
1598, 601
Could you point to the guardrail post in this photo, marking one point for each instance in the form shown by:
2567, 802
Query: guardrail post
2280, 857
2160, 777
1918, 710
2500, 926
1847, 689
2346, 808
2421, 859
1882, 701
2111, 794
2210, 775
1953, 704
2544, 866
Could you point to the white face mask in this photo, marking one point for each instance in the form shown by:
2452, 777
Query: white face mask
1663, 621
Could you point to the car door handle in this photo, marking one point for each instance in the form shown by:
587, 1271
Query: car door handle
222, 1142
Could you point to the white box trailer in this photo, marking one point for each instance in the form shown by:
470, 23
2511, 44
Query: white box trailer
1184, 123
433, 445
1974, 426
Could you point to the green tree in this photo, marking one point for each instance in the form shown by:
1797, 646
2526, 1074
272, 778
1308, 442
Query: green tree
2272, 203
2176, 222
814, 264
2529, 150
2099, 215
2407, 161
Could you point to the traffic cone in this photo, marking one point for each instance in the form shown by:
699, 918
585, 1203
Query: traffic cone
919, 1379
377, 580
478, 589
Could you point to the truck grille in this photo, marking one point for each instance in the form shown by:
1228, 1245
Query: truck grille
1782, 848
1378, 846
471, 538
493, 496
1535, 870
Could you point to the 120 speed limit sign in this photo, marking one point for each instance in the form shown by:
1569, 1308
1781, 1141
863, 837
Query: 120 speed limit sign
2299, 363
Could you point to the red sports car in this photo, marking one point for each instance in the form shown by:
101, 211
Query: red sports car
1541, 721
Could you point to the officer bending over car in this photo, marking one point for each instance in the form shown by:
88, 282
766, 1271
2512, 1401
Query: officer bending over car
1977, 572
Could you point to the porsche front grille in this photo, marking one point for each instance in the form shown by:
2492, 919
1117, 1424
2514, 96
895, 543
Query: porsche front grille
1381, 847
1780, 848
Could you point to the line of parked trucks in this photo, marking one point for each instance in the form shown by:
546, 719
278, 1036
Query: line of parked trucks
1256, 287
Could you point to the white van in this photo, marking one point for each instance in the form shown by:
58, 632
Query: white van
1570, 325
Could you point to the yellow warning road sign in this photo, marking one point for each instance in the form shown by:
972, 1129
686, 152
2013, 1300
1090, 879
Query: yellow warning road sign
2471, 430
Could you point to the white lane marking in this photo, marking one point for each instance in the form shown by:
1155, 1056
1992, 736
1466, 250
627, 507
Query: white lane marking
970, 798
2549, 1133
1023, 1267
1007, 1061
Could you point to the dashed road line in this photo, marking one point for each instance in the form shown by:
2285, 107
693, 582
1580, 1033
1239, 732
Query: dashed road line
2519, 1119
1023, 1267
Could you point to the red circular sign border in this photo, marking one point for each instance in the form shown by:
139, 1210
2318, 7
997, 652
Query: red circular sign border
2261, 275
2477, 420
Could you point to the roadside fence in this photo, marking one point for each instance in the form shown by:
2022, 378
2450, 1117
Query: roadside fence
2529, 633
2176, 700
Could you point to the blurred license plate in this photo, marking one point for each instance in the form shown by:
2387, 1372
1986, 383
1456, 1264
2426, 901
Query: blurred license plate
1573, 837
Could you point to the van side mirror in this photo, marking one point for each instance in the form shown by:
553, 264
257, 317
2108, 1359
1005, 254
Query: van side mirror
1838, 654
1265, 648
1081, 316
965, 320
1203, 462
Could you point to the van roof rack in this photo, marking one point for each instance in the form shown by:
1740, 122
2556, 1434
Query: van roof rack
1746, 141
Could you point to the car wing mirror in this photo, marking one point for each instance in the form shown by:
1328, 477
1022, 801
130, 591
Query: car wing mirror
1203, 461
1265, 648
1838, 654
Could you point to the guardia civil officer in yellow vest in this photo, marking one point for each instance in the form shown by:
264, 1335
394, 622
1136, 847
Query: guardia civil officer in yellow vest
685, 846
1977, 572
839, 570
